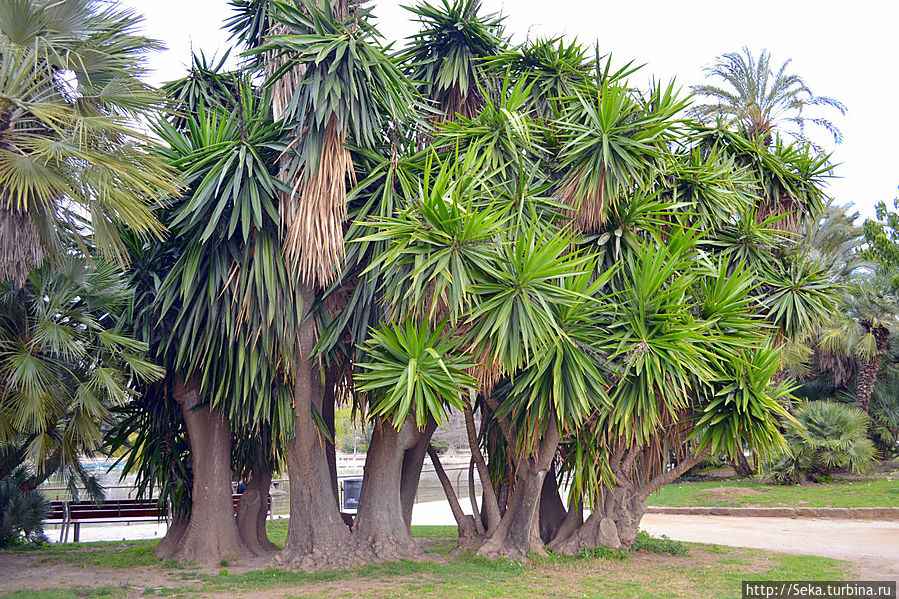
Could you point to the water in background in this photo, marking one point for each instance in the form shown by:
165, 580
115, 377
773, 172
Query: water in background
348, 466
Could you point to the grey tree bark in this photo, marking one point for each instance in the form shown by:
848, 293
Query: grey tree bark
252, 510
617, 513
211, 533
317, 536
518, 531
379, 525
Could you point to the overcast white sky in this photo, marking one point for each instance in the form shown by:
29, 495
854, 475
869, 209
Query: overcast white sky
847, 50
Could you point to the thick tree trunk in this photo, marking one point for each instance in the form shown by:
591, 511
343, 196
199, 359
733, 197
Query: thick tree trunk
616, 516
413, 461
317, 536
552, 510
211, 533
464, 522
379, 525
573, 519
252, 510
613, 523
869, 369
170, 543
513, 537
327, 412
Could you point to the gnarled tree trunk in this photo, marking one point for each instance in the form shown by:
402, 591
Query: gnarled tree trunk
252, 510
552, 510
317, 536
517, 532
379, 525
617, 513
211, 533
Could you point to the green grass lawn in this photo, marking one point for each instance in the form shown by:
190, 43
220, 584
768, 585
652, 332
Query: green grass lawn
870, 492
659, 568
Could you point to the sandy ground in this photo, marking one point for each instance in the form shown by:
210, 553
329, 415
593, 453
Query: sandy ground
872, 547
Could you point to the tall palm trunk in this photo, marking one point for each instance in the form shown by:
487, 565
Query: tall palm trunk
868, 369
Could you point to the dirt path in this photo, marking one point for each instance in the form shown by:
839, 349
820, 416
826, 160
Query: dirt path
872, 547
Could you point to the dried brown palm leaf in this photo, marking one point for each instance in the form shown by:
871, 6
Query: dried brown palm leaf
312, 215
284, 88
487, 372
452, 102
587, 210
793, 217
20, 245
838, 364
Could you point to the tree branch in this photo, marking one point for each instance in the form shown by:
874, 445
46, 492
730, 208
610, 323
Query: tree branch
673, 474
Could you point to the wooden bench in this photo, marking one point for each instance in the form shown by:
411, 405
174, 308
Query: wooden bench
73, 513
112, 511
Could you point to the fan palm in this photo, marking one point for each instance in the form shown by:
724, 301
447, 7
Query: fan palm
824, 437
64, 364
861, 327
759, 99
71, 152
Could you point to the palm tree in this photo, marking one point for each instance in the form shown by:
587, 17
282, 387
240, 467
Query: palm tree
65, 363
337, 86
447, 55
220, 308
758, 99
618, 352
614, 140
861, 327
72, 155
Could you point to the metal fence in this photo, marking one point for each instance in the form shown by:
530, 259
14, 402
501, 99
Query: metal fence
429, 489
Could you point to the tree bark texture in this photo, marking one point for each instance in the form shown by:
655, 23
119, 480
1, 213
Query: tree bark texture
252, 510
869, 369
169, 544
464, 522
327, 411
380, 525
552, 510
490, 505
413, 462
517, 533
211, 533
317, 536
617, 512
